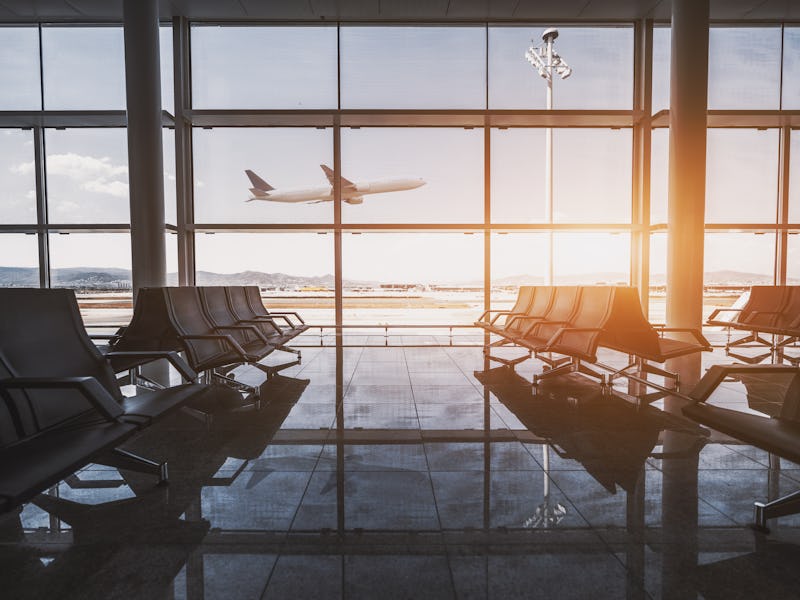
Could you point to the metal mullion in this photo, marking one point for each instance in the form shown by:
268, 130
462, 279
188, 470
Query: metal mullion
487, 218
782, 231
184, 188
41, 206
337, 232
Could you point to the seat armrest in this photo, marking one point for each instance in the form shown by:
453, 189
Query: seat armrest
506, 313
89, 388
701, 340
222, 337
250, 328
174, 359
266, 320
716, 374
530, 329
564, 330
714, 314
287, 312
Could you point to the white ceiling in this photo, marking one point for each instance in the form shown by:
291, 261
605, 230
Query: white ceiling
406, 10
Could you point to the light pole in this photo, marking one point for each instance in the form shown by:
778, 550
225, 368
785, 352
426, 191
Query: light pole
547, 61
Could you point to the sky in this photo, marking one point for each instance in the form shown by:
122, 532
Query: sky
394, 67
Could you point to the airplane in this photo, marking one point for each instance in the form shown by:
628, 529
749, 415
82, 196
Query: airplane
352, 193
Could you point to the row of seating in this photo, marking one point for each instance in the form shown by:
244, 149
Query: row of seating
574, 321
61, 406
769, 309
217, 328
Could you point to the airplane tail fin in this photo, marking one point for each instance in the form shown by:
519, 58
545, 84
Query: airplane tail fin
258, 182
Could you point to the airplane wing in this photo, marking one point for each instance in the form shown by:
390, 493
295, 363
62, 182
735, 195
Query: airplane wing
346, 183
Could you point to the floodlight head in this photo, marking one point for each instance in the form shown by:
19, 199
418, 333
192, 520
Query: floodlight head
550, 34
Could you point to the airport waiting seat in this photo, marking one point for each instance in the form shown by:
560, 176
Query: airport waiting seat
760, 314
214, 300
241, 309
295, 327
489, 319
629, 332
779, 435
60, 405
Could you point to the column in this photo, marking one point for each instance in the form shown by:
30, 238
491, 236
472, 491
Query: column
687, 162
145, 158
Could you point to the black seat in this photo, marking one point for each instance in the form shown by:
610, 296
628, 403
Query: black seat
278, 334
214, 301
253, 294
60, 405
778, 435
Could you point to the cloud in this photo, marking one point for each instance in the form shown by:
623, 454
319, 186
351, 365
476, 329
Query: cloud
92, 174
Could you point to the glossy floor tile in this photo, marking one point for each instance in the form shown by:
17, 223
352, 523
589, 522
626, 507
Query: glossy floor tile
421, 472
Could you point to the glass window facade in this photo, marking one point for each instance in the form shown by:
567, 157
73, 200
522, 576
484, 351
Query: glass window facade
436, 193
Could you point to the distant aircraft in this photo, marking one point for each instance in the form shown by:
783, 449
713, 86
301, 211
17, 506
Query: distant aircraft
352, 193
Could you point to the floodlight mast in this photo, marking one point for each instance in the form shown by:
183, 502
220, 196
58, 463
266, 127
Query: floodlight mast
547, 61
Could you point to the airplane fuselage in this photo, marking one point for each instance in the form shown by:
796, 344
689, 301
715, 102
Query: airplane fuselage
352, 193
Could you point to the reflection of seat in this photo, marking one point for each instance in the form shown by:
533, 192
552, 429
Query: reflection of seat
769, 572
62, 407
779, 435
608, 437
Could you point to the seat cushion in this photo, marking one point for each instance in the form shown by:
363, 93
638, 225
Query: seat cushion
30, 467
778, 436
146, 407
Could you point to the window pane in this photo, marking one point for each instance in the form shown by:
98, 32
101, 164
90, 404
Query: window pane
294, 270
264, 67
84, 68
744, 67
793, 260
19, 260
601, 59
87, 175
659, 175
412, 278
591, 258
167, 85
518, 259
791, 68
794, 177
98, 267
741, 176
517, 179
448, 161
288, 159
662, 45
171, 245
19, 69
18, 192
592, 176
413, 67
658, 277
168, 148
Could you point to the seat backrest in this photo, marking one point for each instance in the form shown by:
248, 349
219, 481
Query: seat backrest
42, 335
524, 298
215, 304
188, 319
764, 305
150, 327
564, 303
237, 299
627, 327
790, 315
594, 307
253, 294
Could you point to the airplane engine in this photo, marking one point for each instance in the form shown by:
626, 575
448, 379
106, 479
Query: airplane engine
355, 200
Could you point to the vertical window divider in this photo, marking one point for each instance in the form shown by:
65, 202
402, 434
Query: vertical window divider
781, 232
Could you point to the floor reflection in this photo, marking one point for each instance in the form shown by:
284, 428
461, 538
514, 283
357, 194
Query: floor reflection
450, 479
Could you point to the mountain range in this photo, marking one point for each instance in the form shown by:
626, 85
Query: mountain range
110, 278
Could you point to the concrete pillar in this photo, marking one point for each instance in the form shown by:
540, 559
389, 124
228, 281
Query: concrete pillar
145, 157
687, 162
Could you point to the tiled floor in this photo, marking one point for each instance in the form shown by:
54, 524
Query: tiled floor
403, 473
